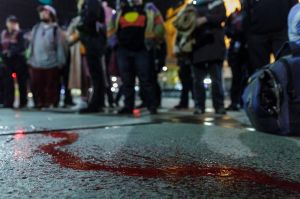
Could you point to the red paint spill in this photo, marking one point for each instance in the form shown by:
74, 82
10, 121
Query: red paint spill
68, 160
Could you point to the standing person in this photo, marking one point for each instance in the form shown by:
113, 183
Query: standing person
185, 26
12, 54
237, 57
266, 25
93, 36
208, 54
134, 26
47, 56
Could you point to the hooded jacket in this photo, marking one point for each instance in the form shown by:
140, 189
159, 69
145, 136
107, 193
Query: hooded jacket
154, 29
294, 23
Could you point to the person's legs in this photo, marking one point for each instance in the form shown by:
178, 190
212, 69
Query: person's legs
94, 47
2, 75
237, 64
145, 74
97, 100
22, 77
52, 85
158, 91
38, 82
199, 73
259, 50
9, 88
68, 100
187, 85
127, 72
215, 71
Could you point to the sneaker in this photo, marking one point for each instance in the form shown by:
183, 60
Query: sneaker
143, 105
233, 108
90, 110
125, 111
221, 111
153, 111
179, 107
199, 111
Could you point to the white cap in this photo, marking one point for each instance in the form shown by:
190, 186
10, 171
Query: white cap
47, 7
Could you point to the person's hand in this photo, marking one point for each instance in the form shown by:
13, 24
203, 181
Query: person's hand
201, 21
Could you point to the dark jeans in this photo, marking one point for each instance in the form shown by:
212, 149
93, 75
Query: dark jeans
45, 83
132, 64
1, 84
185, 75
260, 47
108, 84
238, 61
95, 51
200, 72
19, 67
64, 83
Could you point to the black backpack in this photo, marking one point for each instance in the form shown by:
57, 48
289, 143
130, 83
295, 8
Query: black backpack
272, 97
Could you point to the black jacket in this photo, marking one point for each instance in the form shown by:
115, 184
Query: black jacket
15, 47
265, 16
92, 18
214, 47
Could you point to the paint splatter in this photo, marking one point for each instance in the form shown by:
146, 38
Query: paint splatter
68, 160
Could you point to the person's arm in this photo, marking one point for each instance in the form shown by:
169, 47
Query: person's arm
228, 27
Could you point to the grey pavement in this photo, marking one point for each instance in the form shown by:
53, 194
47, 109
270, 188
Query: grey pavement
171, 155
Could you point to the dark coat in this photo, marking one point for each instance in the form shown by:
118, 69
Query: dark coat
267, 16
212, 48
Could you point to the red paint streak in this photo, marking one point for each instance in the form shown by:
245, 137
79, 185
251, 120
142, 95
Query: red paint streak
68, 160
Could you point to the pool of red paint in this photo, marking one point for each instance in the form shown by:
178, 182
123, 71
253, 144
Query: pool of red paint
68, 160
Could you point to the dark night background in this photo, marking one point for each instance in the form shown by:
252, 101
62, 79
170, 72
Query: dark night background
25, 10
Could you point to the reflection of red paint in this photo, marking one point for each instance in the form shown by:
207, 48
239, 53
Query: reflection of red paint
68, 160
20, 134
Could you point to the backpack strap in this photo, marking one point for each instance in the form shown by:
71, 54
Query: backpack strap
290, 87
295, 48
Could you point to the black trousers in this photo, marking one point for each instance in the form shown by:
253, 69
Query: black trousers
95, 50
18, 66
200, 72
239, 63
185, 75
132, 64
64, 83
261, 46
1, 84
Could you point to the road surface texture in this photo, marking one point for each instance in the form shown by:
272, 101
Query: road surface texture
51, 154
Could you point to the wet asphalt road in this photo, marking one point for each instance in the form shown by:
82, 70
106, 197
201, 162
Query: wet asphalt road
172, 155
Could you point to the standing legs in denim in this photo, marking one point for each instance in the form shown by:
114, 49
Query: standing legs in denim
132, 64
200, 72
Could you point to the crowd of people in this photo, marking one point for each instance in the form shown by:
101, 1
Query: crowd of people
129, 42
